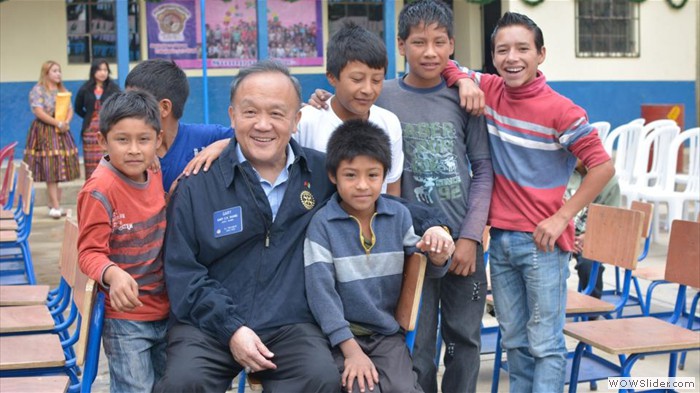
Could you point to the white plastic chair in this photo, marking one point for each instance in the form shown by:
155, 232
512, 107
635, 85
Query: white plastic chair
603, 128
665, 189
627, 137
654, 146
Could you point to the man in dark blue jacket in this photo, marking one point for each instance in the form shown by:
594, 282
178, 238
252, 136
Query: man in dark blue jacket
234, 252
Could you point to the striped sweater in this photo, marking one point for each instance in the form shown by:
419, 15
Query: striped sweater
535, 136
122, 223
345, 283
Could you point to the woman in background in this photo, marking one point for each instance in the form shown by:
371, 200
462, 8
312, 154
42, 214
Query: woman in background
50, 151
88, 102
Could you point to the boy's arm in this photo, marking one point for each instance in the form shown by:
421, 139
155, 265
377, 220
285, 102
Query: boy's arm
549, 230
464, 260
95, 228
319, 272
471, 97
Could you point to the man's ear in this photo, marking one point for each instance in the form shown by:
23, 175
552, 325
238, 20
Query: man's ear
331, 176
232, 117
159, 139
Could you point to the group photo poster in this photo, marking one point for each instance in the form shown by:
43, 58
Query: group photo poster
295, 35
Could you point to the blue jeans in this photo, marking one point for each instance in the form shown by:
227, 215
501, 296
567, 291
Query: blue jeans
529, 291
136, 353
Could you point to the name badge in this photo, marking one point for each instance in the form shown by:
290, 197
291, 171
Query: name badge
228, 221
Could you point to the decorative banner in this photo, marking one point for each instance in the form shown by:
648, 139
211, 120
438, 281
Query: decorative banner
294, 34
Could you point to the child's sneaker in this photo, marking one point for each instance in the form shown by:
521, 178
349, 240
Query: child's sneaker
55, 213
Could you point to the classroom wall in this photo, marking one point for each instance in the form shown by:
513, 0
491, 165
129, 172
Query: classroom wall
609, 89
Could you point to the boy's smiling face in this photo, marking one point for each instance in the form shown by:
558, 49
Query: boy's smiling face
515, 55
427, 50
356, 90
131, 145
359, 183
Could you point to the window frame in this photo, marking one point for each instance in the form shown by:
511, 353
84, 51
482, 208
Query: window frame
633, 31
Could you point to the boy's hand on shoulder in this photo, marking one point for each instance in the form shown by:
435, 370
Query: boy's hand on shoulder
548, 231
464, 258
318, 99
206, 157
123, 289
437, 243
155, 165
357, 365
471, 98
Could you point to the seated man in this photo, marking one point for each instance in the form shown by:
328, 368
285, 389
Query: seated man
233, 252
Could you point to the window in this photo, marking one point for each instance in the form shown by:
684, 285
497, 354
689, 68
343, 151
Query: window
368, 14
607, 28
92, 30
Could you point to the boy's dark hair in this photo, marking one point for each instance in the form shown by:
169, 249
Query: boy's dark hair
427, 12
357, 138
263, 66
164, 79
355, 43
513, 19
130, 104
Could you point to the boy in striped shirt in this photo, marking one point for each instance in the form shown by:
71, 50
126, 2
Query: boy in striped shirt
121, 217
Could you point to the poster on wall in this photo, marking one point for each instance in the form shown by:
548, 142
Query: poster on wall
294, 34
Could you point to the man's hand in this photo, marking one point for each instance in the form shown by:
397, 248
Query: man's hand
464, 258
357, 366
318, 99
436, 241
249, 351
548, 231
204, 158
471, 98
123, 289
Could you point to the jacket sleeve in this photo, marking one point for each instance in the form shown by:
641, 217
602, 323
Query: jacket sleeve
195, 298
95, 227
79, 106
324, 300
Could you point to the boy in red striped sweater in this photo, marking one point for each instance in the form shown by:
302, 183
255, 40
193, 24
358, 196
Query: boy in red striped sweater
121, 217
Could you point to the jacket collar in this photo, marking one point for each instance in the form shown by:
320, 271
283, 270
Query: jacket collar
336, 212
229, 160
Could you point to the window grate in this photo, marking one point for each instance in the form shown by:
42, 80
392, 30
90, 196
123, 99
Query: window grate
607, 28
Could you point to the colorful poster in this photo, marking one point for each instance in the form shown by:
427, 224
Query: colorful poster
294, 34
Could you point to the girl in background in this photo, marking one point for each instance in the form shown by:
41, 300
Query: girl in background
88, 102
50, 151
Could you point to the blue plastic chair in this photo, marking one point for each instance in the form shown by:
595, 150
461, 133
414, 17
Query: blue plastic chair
16, 265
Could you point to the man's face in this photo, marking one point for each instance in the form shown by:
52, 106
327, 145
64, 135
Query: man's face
427, 50
515, 55
265, 113
356, 89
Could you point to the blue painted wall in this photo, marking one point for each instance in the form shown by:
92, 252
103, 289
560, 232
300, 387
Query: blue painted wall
615, 102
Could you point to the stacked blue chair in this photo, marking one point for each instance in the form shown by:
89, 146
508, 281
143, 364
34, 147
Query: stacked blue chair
16, 265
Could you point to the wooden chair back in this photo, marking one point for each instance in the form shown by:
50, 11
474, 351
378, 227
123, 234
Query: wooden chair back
7, 183
411, 287
613, 235
648, 210
68, 260
683, 260
84, 295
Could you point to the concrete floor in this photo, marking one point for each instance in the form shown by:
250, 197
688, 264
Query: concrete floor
47, 235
